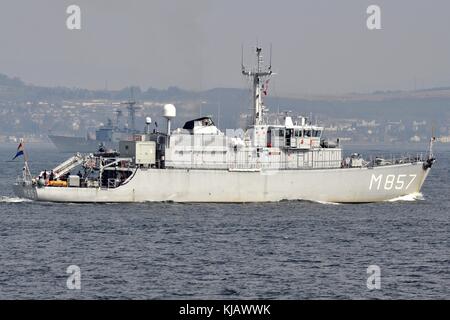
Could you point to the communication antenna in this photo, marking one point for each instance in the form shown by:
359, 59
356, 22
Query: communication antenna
148, 122
432, 140
242, 58
270, 58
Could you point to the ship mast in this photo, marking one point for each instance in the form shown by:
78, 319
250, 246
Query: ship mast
257, 75
132, 114
131, 107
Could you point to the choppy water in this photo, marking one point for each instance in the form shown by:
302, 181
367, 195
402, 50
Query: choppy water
286, 250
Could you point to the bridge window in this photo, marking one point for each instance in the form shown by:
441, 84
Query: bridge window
318, 133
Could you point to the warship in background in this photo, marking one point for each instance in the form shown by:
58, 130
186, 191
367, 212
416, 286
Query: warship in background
107, 135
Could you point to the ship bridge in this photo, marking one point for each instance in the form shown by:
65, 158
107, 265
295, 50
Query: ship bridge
288, 135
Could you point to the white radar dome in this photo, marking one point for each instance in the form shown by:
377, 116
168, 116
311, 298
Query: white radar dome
170, 111
148, 120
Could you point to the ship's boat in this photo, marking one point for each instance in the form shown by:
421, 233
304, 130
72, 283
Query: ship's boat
57, 183
200, 163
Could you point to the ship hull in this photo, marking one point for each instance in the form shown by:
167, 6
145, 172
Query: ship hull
78, 144
352, 185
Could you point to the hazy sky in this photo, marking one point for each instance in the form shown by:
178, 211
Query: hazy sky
319, 47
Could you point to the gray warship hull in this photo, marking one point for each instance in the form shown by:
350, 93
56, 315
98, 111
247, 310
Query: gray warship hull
341, 185
78, 144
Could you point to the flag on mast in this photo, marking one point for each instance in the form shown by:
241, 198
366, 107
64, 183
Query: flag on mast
266, 87
20, 150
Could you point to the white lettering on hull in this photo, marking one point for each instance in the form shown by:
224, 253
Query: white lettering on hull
391, 181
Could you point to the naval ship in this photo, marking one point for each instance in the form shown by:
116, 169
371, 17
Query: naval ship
264, 162
107, 135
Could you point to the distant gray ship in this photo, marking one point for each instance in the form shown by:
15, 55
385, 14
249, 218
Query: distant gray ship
79, 144
108, 135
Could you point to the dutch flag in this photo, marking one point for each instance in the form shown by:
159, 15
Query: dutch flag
20, 149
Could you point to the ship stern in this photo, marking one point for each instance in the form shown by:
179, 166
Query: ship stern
25, 190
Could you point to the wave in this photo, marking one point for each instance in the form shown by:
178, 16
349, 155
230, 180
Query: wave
417, 196
327, 202
4, 199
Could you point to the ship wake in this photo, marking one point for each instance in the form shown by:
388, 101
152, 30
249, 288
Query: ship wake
417, 196
326, 202
4, 199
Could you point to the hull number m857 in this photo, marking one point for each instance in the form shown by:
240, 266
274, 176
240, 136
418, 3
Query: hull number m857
391, 181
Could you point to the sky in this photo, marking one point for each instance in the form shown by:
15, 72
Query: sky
319, 46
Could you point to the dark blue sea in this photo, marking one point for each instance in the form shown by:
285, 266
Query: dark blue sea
286, 250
